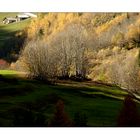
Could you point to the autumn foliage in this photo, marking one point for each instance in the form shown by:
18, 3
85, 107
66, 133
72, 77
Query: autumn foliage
84, 45
3, 64
60, 118
129, 115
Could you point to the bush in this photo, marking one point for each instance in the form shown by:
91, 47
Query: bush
129, 115
3, 64
40, 61
65, 54
133, 36
60, 118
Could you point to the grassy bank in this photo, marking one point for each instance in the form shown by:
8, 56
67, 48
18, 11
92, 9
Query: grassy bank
101, 104
9, 43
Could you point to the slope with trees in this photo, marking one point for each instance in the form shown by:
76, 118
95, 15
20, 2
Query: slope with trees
71, 45
61, 48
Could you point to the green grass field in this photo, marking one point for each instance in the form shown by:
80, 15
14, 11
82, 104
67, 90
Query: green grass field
8, 30
8, 72
101, 104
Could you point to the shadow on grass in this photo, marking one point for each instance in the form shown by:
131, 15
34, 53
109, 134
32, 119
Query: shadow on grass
9, 44
11, 85
30, 97
98, 92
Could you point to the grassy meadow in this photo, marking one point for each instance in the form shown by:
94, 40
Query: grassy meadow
100, 103
7, 31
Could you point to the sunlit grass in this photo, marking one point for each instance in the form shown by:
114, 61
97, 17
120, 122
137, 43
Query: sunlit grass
12, 74
8, 31
8, 72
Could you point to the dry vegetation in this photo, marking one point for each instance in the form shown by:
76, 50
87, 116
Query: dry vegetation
102, 47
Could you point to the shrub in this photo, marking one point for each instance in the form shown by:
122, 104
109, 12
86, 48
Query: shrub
124, 71
133, 36
129, 115
65, 54
117, 38
3, 64
60, 118
40, 60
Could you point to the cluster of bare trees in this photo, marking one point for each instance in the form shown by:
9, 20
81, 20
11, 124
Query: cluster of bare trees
124, 72
66, 54
40, 60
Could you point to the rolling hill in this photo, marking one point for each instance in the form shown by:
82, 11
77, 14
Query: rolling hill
32, 101
100, 103
106, 25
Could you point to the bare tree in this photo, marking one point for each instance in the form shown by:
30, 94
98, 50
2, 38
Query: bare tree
72, 46
124, 72
39, 59
80, 48
65, 54
62, 46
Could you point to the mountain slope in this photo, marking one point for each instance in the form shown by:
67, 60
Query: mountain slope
7, 34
